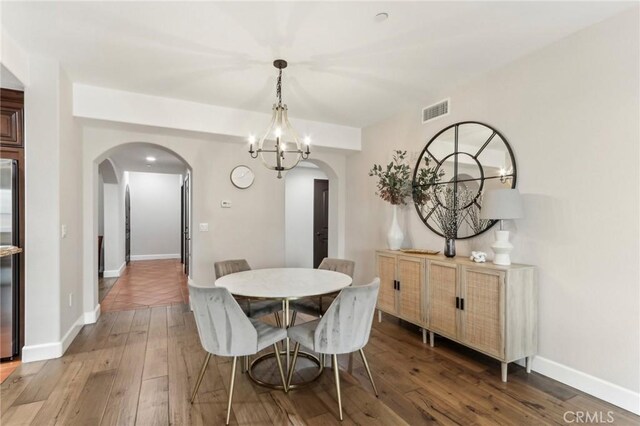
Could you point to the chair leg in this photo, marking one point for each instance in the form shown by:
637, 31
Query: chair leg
278, 323
293, 365
336, 373
245, 366
293, 318
233, 382
200, 376
366, 366
279, 361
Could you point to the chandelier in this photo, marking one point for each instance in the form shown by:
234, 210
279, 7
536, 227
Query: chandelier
283, 145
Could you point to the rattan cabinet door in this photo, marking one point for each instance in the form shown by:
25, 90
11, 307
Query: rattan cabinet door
387, 274
442, 290
483, 313
410, 278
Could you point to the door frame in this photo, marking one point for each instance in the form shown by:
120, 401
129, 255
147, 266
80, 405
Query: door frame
127, 226
186, 224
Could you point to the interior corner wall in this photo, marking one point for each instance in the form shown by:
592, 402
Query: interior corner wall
42, 214
571, 113
155, 215
100, 204
70, 211
298, 215
113, 232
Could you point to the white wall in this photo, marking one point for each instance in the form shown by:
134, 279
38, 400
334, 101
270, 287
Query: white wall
100, 203
113, 231
298, 216
42, 213
571, 114
70, 213
135, 108
155, 215
253, 228
53, 269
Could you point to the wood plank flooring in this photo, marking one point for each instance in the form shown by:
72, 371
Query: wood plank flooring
139, 366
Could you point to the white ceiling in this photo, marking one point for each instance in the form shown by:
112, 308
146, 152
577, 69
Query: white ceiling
132, 158
344, 67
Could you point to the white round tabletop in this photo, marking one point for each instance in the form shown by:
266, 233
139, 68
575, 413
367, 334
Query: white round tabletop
284, 283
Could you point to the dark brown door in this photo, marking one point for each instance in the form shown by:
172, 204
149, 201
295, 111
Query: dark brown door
320, 220
127, 226
186, 232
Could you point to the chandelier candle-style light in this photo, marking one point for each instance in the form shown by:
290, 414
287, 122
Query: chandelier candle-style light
280, 135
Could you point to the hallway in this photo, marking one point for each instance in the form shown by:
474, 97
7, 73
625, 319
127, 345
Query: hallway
147, 283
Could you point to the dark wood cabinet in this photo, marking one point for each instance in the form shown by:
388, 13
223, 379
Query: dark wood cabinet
12, 118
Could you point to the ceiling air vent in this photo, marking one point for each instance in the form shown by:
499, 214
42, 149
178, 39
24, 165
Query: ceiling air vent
434, 111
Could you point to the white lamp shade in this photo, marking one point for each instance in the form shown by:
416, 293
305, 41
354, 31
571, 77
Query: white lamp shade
501, 204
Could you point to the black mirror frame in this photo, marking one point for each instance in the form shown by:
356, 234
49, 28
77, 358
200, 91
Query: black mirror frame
455, 181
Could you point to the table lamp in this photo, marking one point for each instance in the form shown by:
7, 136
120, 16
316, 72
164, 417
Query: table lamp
502, 204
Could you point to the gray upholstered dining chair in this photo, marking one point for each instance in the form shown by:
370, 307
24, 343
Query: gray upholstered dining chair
225, 330
253, 308
344, 328
318, 305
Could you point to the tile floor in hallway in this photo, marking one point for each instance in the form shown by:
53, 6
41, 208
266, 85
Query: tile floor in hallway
147, 283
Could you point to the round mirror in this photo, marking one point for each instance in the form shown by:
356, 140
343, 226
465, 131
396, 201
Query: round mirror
453, 171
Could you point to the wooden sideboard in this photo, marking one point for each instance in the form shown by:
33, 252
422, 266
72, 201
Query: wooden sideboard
492, 309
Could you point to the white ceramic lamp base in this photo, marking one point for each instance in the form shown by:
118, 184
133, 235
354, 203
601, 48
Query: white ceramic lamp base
502, 248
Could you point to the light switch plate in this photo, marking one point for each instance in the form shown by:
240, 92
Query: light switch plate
63, 231
226, 204
204, 227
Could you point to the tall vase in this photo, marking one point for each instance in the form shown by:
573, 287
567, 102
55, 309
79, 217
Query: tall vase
450, 247
395, 237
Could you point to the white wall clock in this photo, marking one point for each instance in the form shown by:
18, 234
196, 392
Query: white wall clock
242, 177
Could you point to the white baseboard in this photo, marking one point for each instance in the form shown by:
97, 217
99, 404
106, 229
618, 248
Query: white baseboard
607, 391
155, 256
115, 273
92, 316
52, 350
190, 282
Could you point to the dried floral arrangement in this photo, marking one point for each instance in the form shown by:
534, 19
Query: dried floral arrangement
425, 178
394, 181
395, 185
450, 213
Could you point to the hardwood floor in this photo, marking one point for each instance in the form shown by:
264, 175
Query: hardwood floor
104, 287
147, 283
139, 366
8, 367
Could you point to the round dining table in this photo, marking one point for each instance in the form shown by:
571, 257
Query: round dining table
284, 284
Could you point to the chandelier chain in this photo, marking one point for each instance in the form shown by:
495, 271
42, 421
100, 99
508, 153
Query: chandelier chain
279, 88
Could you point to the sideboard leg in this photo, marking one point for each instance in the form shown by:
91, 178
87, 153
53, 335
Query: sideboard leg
504, 370
528, 363
432, 339
379, 315
424, 336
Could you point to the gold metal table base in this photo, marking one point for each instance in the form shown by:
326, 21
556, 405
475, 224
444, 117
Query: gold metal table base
303, 354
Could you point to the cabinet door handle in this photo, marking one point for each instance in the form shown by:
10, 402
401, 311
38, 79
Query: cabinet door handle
398, 285
462, 304
457, 303
395, 284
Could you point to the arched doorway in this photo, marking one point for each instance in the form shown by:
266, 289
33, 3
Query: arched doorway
311, 214
148, 214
